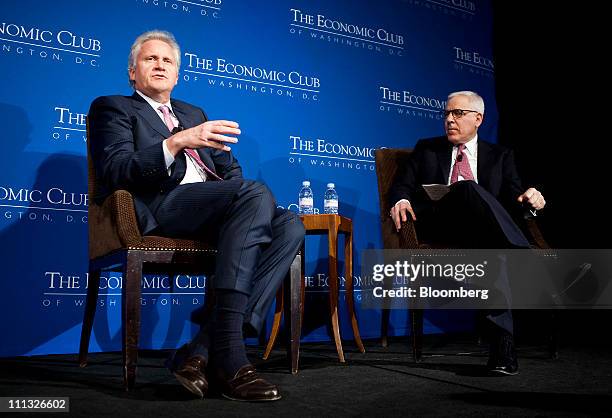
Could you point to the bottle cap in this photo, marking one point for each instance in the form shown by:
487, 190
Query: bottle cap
330, 185
306, 183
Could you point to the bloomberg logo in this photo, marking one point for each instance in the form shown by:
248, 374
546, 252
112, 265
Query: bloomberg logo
46, 44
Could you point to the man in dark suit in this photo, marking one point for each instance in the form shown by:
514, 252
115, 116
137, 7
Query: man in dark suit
485, 193
186, 183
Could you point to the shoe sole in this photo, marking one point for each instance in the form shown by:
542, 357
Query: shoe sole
251, 400
504, 372
188, 384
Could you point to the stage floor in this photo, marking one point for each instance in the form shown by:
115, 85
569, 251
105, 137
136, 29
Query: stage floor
450, 381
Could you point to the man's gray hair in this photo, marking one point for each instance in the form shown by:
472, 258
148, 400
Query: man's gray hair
159, 35
474, 98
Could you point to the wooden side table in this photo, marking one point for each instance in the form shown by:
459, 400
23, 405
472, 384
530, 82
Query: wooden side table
331, 225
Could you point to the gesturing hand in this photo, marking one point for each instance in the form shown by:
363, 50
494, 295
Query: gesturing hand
212, 134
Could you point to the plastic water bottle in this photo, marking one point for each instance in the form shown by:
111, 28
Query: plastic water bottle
305, 200
330, 201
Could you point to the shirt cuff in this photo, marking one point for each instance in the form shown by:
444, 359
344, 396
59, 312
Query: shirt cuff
402, 200
168, 157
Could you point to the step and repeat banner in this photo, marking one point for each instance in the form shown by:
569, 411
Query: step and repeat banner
317, 87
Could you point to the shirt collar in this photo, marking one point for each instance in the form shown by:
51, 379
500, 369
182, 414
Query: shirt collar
154, 104
472, 145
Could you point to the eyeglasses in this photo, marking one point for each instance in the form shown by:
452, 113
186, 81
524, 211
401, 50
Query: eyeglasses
457, 113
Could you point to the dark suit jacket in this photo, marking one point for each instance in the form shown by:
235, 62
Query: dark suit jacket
430, 163
126, 135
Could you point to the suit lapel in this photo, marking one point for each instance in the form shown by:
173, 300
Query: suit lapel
187, 120
445, 151
484, 164
149, 115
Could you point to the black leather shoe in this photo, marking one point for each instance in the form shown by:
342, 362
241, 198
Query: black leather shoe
510, 369
502, 356
246, 385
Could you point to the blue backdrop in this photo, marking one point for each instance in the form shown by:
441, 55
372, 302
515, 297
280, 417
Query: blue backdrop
316, 86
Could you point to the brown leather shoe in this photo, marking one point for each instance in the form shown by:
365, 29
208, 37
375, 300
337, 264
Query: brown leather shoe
191, 375
246, 385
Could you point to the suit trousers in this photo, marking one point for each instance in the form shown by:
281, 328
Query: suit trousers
468, 216
256, 241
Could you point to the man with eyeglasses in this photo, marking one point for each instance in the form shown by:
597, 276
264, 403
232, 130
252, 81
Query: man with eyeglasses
484, 197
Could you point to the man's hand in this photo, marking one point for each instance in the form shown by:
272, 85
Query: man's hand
212, 134
533, 197
399, 213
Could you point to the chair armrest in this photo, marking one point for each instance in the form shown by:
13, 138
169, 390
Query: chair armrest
405, 238
536, 236
408, 236
125, 218
113, 224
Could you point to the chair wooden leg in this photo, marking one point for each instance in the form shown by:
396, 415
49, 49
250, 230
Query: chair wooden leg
293, 310
278, 313
350, 297
130, 316
302, 284
384, 327
417, 334
385, 318
553, 342
333, 288
261, 337
93, 286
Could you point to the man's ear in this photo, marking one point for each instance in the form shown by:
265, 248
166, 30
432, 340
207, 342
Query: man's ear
131, 73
